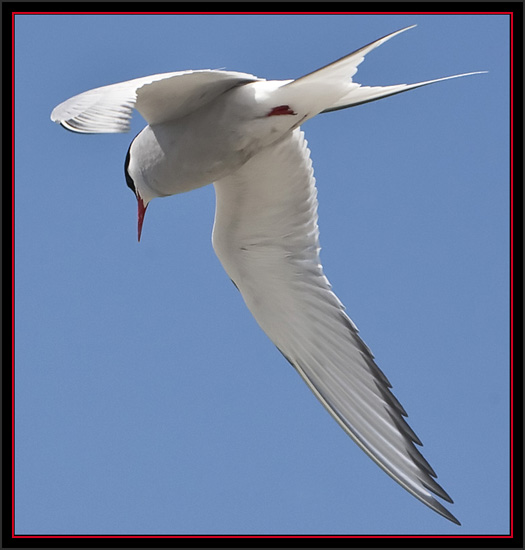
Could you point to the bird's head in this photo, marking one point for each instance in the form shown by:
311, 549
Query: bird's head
136, 183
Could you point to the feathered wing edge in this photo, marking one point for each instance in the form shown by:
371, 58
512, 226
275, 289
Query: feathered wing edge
158, 98
430, 484
266, 237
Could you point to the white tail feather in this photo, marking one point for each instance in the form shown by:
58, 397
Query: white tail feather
365, 94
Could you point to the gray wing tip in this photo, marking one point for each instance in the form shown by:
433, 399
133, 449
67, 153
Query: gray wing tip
441, 510
432, 485
76, 127
67, 127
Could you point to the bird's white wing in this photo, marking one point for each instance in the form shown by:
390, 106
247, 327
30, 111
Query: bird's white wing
266, 236
158, 98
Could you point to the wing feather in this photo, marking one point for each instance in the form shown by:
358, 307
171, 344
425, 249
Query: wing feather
266, 236
158, 98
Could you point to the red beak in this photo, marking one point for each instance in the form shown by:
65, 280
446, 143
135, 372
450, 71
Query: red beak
141, 211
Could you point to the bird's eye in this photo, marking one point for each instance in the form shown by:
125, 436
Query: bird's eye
129, 180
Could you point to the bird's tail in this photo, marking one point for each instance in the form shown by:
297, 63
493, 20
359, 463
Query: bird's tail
365, 94
331, 79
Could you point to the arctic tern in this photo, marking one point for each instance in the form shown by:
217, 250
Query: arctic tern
242, 133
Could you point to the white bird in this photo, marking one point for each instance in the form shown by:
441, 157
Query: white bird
242, 133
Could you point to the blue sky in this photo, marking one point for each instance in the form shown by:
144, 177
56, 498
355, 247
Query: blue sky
147, 398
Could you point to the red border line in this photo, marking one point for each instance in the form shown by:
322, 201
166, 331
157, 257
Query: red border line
265, 13
13, 274
262, 536
511, 160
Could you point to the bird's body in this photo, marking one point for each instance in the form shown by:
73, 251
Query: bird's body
205, 145
242, 134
